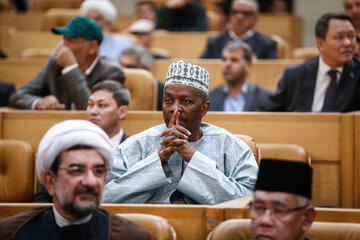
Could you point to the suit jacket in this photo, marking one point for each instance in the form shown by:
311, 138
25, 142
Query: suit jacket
296, 88
6, 89
72, 87
255, 96
262, 46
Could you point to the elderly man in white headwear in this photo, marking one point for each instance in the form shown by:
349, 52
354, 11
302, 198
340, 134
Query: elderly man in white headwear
105, 13
72, 162
183, 160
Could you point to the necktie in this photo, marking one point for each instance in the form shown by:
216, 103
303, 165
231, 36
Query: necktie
330, 91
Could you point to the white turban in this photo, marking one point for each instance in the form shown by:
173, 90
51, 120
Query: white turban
67, 134
105, 7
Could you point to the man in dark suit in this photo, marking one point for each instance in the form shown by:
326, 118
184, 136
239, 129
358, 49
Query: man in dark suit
237, 94
329, 83
108, 106
243, 15
74, 67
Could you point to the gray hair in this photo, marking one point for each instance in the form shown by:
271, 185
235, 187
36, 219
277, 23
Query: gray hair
254, 2
142, 55
240, 45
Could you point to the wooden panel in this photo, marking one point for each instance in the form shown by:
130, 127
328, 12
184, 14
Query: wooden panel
31, 126
22, 21
357, 160
265, 73
286, 26
191, 222
319, 134
19, 72
322, 214
21, 40
347, 161
182, 44
327, 186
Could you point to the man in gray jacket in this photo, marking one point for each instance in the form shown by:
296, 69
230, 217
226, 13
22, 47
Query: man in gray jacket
74, 67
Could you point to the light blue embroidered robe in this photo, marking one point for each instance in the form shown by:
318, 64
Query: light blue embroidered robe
223, 168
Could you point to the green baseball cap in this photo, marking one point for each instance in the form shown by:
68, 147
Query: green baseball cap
81, 27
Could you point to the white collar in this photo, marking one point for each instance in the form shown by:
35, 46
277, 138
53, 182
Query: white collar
246, 35
62, 222
324, 68
115, 140
88, 71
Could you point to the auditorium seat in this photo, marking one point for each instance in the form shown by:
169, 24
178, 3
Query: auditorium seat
284, 151
143, 88
239, 229
17, 160
282, 47
58, 17
43, 5
305, 53
250, 141
157, 226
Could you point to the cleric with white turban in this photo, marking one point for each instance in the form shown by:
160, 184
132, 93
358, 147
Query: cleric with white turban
67, 134
105, 7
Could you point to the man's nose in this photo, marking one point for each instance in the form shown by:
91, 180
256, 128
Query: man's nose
89, 179
267, 218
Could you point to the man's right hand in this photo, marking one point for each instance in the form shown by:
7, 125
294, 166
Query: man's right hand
64, 56
49, 103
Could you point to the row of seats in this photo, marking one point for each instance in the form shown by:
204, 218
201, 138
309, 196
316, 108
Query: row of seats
287, 27
190, 222
329, 139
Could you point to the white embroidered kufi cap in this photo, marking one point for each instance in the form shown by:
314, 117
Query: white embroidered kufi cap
188, 74
67, 134
105, 7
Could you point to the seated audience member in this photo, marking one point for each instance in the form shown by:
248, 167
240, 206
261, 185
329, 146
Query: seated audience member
6, 89
66, 79
143, 30
107, 107
280, 7
243, 16
181, 15
183, 160
140, 57
72, 162
237, 94
105, 13
145, 10
329, 83
283, 188
352, 7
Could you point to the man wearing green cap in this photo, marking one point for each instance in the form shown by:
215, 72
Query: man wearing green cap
74, 67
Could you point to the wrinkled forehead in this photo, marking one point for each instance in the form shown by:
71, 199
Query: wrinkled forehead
274, 197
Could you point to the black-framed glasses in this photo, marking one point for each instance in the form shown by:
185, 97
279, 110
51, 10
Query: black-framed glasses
258, 209
80, 170
244, 13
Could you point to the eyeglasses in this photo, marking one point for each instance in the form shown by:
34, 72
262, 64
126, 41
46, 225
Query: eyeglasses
244, 13
258, 209
80, 170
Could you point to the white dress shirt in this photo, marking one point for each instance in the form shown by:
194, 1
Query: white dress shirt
322, 83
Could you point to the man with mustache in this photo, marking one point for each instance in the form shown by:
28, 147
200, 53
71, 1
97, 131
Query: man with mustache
73, 159
329, 83
183, 160
281, 207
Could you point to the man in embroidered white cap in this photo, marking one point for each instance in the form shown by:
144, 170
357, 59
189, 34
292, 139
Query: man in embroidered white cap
105, 13
183, 160
72, 162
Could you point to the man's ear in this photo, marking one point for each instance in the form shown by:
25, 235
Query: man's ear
309, 217
94, 46
320, 43
48, 178
123, 112
204, 108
